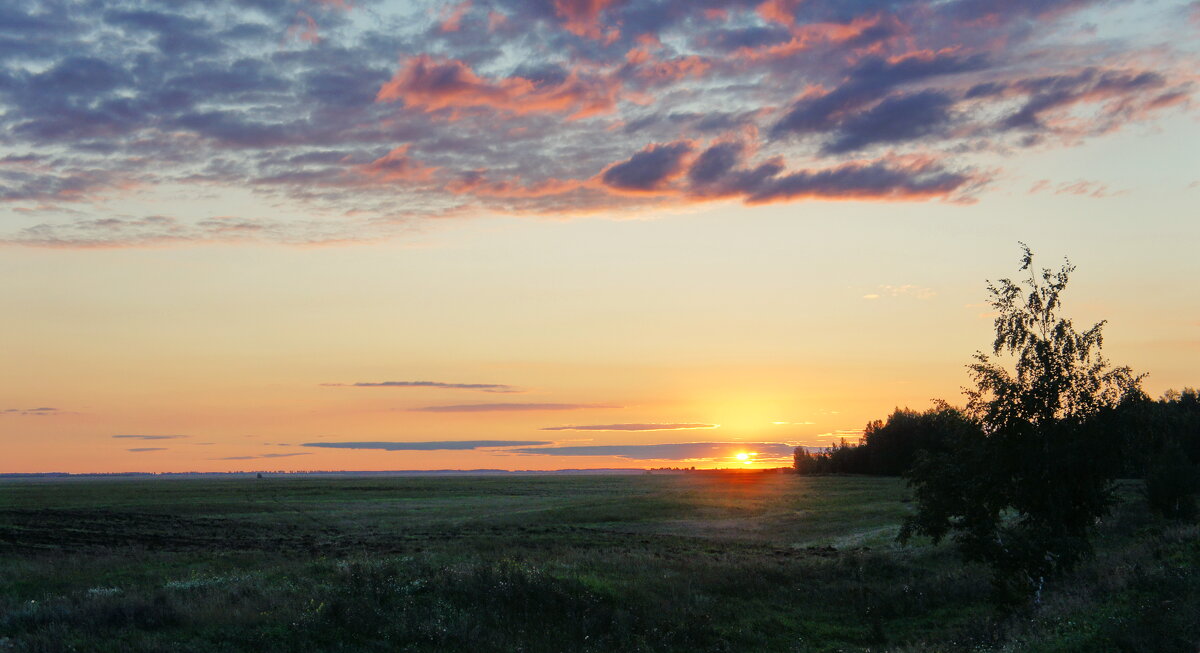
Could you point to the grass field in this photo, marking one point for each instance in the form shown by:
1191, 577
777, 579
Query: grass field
678, 562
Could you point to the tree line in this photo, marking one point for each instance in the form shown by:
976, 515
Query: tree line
1141, 438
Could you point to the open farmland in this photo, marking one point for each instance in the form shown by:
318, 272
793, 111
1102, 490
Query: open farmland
663, 562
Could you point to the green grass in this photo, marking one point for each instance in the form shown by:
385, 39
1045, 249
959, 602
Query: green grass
695, 562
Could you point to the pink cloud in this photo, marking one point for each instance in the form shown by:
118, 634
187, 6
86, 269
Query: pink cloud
496, 20
306, 32
582, 17
653, 70
431, 84
1080, 187
452, 16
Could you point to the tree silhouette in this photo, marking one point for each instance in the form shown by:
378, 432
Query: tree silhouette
1023, 492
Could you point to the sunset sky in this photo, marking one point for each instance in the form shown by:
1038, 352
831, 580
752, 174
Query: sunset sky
371, 235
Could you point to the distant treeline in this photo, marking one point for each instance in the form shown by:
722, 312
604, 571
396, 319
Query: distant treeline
1135, 437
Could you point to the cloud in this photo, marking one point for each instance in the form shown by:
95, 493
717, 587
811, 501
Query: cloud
715, 162
264, 455
440, 445
487, 408
719, 172
483, 387
649, 169
905, 290
331, 127
1081, 187
397, 166
631, 427
849, 434
143, 449
689, 451
1043, 96
150, 437
434, 84
452, 16
582, 17
902, 117
41, 411
879, 180
860, 111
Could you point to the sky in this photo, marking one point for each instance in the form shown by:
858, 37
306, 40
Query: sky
371, 235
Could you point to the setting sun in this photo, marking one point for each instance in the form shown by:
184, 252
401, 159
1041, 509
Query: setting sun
744, 457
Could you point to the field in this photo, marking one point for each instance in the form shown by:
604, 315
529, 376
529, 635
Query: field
663, 562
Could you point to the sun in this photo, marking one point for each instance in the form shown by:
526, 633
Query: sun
744, 457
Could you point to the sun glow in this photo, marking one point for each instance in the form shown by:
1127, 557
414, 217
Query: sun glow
744, 457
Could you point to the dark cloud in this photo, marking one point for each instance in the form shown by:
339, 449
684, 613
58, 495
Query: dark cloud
40, 411
173, 33
487, 408
264, 455
649, 169
870, 81
143, 449
1044, 94
151, 437
441, 445
729, 39
715, 162
631, 427
895, 119
719, 172
80, 76
484, 387
876, 180
707, 451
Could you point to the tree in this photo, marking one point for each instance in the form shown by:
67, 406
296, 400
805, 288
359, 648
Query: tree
892, 446
1023, 491
802, 461
1172, 442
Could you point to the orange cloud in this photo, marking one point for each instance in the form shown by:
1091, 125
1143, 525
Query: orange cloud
513, 188
779, 11
806, 36
397, 166
430, 84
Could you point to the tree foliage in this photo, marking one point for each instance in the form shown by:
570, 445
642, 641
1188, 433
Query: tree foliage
1022, 492
888, 447
1170, 448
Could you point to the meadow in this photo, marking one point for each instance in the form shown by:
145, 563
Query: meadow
657, 562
